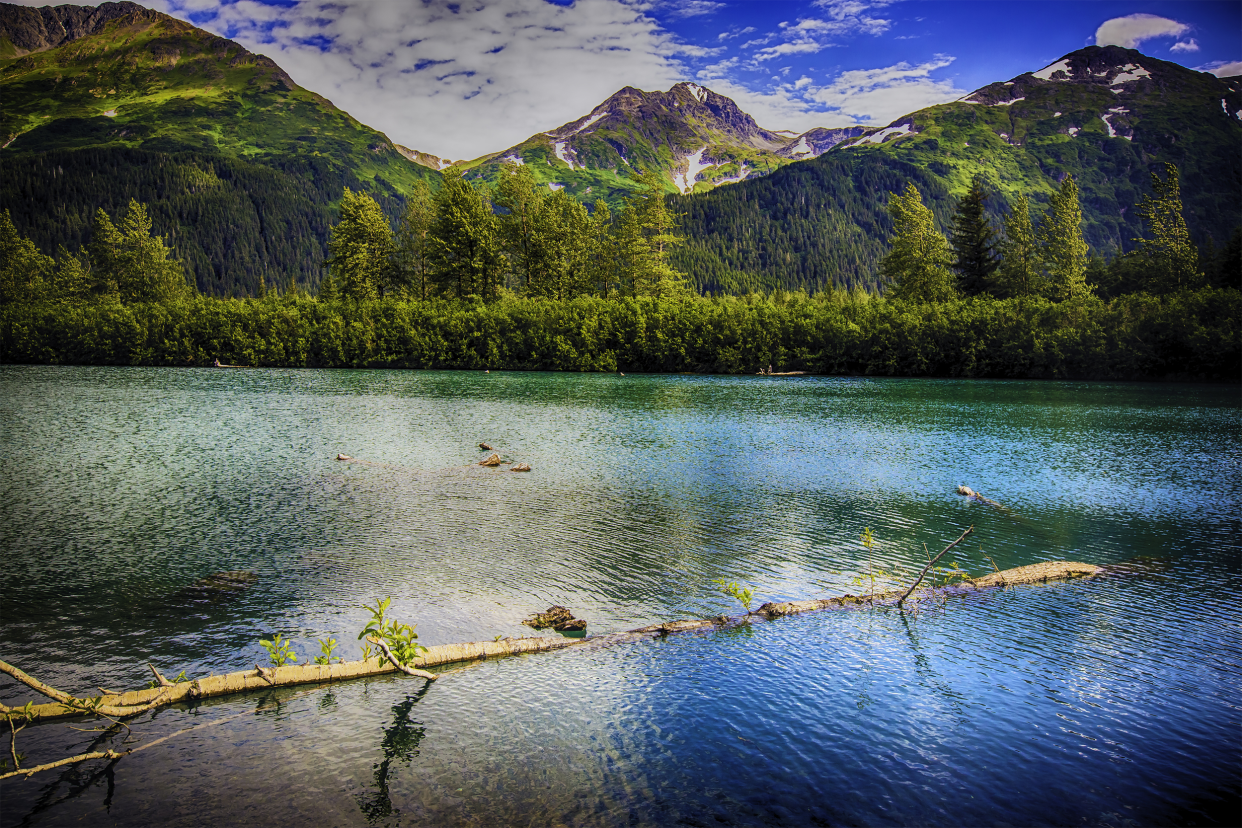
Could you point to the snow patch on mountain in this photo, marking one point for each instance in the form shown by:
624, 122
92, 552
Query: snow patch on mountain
111, 113
1112, 133
553, 186
1223, 108
1009, 103
1048, 71
588, 122
697, 91
685, 181
1072, 131
559, 148
1130, 72
884, 134
1056, 114
801, 148
741, 176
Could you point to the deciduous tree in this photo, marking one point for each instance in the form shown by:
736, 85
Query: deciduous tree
917, 266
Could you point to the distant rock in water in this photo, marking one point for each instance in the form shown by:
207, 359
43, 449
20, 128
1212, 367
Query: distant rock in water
219, 586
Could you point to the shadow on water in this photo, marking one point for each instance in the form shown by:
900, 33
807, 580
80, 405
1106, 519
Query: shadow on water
400, 743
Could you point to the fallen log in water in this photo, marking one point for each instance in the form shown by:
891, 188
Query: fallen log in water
137, 701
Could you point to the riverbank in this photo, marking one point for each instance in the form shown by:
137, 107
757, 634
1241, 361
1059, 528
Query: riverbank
1193, 335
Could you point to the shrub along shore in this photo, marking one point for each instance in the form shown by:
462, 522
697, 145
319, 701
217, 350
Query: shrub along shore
1189, 334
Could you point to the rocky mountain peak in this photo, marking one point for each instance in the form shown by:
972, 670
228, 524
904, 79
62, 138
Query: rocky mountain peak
31, 30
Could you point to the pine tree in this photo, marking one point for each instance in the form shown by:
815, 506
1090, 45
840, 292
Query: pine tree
519, 195
655, 275
466, 255
973, 241
602, 251
563, 234
412, 256
917, 266
23, 268
1019, 271
1062, 247
360, 249
1173, 261
130, 263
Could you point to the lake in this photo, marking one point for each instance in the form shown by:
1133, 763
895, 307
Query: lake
1113, 701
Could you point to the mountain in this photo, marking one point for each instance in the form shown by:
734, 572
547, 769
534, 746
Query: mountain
697, 138
1107, 115
240, 165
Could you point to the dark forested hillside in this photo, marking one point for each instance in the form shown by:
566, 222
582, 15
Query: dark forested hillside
241, 168
811, 225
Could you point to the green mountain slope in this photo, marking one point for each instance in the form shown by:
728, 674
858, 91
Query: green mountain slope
695, 137
1107, 115
141, 90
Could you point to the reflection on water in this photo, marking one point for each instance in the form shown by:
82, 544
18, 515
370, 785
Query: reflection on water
129, 492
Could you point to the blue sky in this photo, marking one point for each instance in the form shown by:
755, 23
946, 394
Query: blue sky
460, 78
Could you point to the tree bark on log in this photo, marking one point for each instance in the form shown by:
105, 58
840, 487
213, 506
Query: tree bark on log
138, 701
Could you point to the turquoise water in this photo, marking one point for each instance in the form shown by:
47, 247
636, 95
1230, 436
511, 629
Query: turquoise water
1108, 702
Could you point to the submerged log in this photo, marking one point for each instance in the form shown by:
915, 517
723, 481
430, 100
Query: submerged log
966, 491
136, 701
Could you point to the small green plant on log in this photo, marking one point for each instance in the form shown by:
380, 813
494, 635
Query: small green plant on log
325, 648
742, 596
400, 639
279, 651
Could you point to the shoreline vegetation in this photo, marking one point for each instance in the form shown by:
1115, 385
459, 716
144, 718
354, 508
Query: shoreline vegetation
515, 278
1193, 334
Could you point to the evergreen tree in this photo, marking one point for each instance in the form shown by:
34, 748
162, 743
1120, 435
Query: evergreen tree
23, 268
1019, 271
412, 258
127, 261
519, 195
1173, 261
917, 266
564, 243
973, 241
655, 275
602, 251
465, 251
1062, 248
360, 249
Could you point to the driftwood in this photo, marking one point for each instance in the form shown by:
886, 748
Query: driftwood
966, 491
138, 701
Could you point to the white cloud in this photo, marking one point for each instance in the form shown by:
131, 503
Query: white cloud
1191, 45
878, 96
736, 33
801, 47
718, 70
802, 82
1222, 68
456, 80
1133, 29
690, 8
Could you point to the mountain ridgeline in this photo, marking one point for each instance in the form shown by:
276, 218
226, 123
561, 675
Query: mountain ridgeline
243, 171
695, 138
241, 166
1108, 116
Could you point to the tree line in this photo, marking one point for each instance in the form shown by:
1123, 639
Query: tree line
1048, 259
468, 240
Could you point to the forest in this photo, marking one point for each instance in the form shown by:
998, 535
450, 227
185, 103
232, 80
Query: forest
519, 277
